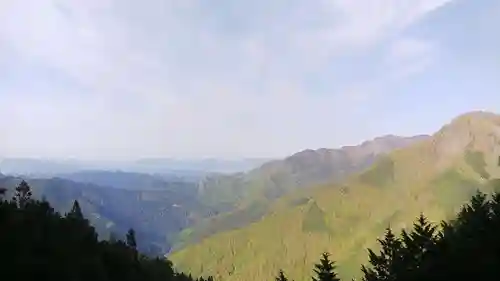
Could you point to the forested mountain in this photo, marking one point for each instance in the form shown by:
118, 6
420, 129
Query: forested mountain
463, 247
302, 169
157, 212
133, 181
435, 175
255, 234
243, 198
38, 243
160, 206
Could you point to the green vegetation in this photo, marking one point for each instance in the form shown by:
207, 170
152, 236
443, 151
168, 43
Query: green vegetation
298, 201
382, 174
225, 222
314, 219
157, 210
237, 193
341, 222
325, 269
454, 188
38, 243
432, 176
283, 215
466, 247
475, 159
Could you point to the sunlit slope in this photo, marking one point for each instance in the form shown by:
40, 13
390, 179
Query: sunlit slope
434, 176
244, 198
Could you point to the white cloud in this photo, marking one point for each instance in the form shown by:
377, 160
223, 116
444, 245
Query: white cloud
181, 77
408, 56
366, 22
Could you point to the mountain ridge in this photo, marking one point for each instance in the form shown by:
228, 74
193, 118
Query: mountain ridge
436, 175
244, 198
357, 156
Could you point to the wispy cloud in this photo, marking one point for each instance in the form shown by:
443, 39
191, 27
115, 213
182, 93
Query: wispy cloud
185, 77
407, 56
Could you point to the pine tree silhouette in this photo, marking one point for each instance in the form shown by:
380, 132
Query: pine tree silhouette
281, 276
325, 269
418, 243
131, 242
23, 194
388, 262
37, 243
76, 211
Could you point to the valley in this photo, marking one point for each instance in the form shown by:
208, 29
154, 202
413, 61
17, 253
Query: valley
284, 213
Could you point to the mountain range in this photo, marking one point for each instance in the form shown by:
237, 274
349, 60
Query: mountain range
243, 198
172, 210
169, 167
435, 174
281, 213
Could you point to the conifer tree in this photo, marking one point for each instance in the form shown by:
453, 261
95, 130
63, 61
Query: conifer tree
281, 276
76, 211
388, 262
23, 194
325, 269
419, 242
131, 242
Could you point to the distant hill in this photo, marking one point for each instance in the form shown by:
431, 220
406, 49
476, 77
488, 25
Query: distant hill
243, 198
167, 167
160, 206
38, 167
127, 180
211, 165
436, 174
156, 210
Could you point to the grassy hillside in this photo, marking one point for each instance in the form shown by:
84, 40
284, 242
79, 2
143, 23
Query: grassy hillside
303, 169
244, 198
436, 175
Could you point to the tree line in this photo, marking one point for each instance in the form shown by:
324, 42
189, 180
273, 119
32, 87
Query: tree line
467, 248
38, 243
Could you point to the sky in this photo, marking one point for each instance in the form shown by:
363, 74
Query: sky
126, 79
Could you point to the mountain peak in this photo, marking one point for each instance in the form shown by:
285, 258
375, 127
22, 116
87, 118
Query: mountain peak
473, 131
473, 123
474, 117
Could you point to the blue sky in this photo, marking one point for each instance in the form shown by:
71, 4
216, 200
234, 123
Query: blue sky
122, 79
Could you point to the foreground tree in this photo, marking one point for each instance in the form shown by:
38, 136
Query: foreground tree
37, 243
22, 195
325, 269
465, 248
76, 211
387, 264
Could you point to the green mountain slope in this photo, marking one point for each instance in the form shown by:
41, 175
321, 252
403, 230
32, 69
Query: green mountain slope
244, 198
303, 169
436, 175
